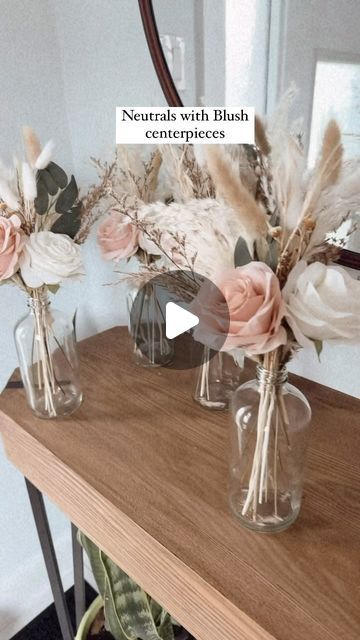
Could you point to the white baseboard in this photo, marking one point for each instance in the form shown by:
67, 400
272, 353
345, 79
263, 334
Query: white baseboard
27, 591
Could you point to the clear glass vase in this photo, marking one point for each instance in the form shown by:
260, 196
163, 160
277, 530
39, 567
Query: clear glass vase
217, 378
46, 348
148, 329
268, 447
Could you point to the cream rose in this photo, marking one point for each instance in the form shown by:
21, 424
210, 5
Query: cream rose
322, 303
246, 306
117, 238
11, 244
49, 258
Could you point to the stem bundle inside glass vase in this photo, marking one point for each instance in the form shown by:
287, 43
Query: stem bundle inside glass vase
147, 327
269, 441
48, 360
217, 377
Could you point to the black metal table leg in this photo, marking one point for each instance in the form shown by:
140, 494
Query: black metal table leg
79, 580
47, 546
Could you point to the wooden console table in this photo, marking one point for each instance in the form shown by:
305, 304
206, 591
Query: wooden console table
142, 470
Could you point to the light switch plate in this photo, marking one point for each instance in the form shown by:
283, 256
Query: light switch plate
174, 51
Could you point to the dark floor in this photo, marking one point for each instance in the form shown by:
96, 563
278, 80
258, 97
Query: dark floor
45, 626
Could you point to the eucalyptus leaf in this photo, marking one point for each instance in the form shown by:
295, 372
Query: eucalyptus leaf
273, 255
242, 254
126, 606
48, 182
67, 198
53, 288
69, 225
41, 201
75, 210
74, 323
58, 175
319, 347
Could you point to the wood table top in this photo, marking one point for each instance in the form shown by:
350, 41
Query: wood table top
142, 470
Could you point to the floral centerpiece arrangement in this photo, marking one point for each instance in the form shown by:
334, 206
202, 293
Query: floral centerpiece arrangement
282, 292
43, 222
163, 211
290, 295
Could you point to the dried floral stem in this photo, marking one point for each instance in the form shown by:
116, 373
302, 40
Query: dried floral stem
271, 407
91, 212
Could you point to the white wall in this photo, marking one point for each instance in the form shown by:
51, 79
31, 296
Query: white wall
64, 67
31, 80
247, 31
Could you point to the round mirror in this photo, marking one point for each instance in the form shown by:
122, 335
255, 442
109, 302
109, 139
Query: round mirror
248, 52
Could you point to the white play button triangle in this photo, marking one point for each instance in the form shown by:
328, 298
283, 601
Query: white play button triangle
178, 320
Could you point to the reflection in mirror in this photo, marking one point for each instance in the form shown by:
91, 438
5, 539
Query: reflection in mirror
343, 105
249, 52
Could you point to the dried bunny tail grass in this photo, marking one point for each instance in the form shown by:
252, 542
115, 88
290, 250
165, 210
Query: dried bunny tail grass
32, 145
252, 219
8, 196
28, 182
43, 160
261, 137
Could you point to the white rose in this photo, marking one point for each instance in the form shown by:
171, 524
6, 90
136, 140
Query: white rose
323, 303
49, 258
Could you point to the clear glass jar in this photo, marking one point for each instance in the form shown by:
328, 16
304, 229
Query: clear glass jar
216, 379
268, 446
147, 328
46, 348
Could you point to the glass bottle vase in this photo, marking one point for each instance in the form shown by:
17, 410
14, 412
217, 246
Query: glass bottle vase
46, 348
148, 329
217, 377
268, 446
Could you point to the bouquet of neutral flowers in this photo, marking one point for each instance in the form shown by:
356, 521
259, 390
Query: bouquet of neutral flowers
162, 212
43, 222
282, 292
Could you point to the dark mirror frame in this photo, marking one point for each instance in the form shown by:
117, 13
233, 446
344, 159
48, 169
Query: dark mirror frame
347, 258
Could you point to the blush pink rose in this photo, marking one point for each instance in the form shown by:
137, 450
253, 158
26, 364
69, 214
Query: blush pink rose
246, 305
118, 238
11, 243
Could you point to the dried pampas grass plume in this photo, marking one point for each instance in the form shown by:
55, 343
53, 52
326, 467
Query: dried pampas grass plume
32, 145
261, 137
330, 160
327, 169
252, 219
155, 164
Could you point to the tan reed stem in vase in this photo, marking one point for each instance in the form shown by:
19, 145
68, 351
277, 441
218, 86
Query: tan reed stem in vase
44, 367
269, 403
